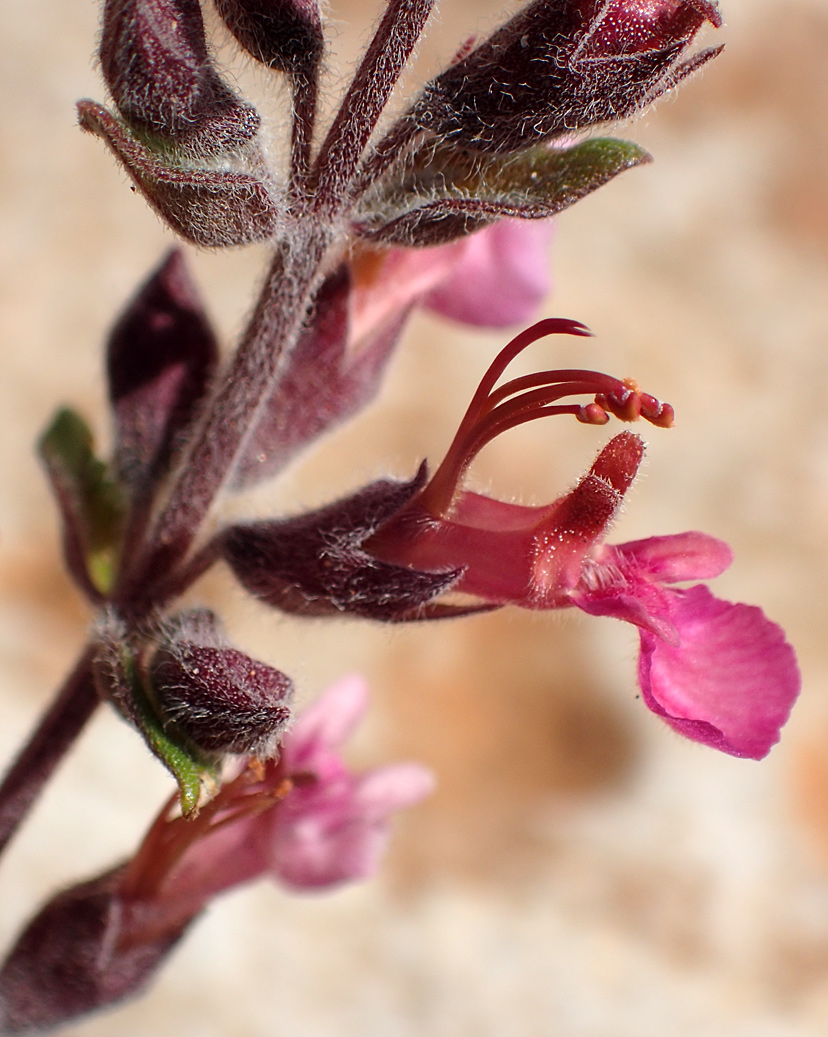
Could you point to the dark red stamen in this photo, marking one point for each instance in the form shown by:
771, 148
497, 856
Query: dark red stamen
493, 411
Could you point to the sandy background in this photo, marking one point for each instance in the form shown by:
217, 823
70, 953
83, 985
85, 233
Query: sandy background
581, 872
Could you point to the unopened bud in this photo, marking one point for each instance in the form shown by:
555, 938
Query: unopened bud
156, 64
555, 68
219, 698
284, 34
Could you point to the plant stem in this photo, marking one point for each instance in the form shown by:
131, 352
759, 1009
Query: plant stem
305, 90
53, 737
231, 416
367, 96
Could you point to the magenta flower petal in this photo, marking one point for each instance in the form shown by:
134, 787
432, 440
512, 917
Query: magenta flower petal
627, 581
329, 834
732, 680
672, 559
324, 725
502, 278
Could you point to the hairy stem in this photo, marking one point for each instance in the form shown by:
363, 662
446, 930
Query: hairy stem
232, 414
53, 737
392, 148
367, 96
305, 96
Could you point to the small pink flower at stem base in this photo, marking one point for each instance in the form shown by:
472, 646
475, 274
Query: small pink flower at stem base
304, 820
334, 829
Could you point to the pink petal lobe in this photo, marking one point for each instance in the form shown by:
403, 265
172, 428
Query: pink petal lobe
502, 278
325, 724
327, 835
672, 559
391, 788
731, 681
639, 602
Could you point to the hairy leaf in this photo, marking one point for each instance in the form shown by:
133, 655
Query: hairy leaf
214, 208
449, 193
90, 500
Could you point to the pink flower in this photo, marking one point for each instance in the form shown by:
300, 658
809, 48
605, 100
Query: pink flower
719, 673
333, 827
305, 820
494, 278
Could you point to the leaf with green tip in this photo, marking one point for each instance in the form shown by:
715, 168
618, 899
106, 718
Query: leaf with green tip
447, 193
90, 500
193, 771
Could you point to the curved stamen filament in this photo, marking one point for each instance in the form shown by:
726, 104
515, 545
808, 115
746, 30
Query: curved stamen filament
551, 326
467, 443
171, 836
572, 382
493, 411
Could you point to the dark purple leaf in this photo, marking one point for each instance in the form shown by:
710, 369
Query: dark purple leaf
160, 356
315, 564
119, 669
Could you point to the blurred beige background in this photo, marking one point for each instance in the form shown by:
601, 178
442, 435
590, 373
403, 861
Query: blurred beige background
581, 872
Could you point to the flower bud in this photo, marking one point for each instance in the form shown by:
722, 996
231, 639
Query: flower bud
216, 696
284, 34
155, 62
556, 68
